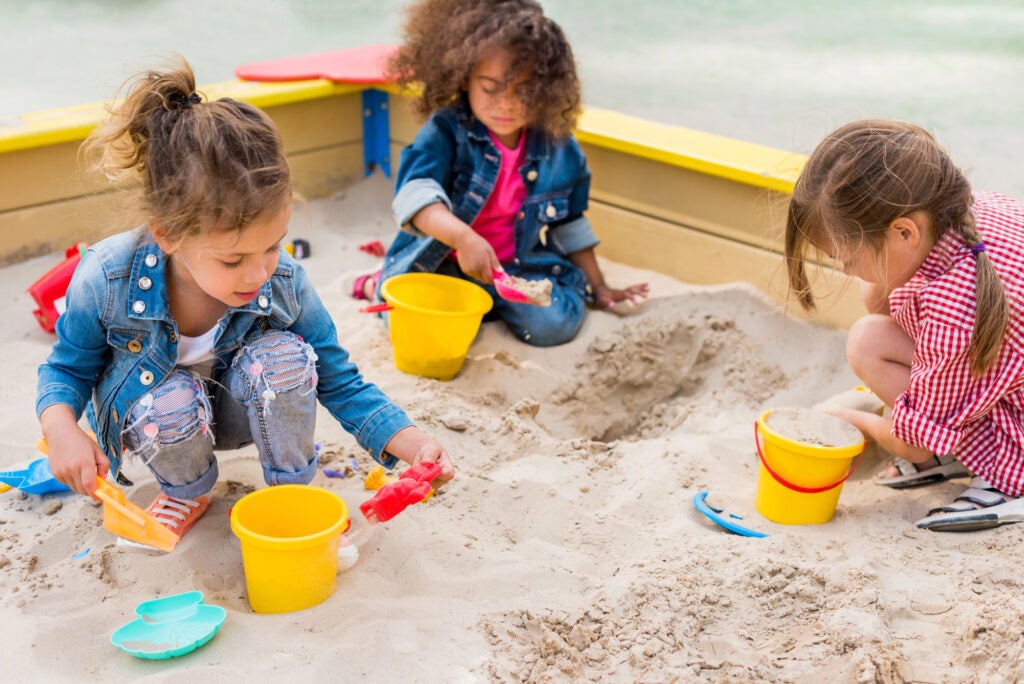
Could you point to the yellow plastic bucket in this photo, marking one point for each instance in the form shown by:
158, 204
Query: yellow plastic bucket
799, 483
433, 319
289, 536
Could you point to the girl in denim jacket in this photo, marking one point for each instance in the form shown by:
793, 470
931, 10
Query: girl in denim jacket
495, 181
198, 330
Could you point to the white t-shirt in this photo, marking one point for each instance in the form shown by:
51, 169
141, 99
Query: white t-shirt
196, 353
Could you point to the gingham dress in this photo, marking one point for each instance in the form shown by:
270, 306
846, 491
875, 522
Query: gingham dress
946, 409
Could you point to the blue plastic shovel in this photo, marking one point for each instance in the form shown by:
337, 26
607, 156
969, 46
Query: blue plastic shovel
35, 478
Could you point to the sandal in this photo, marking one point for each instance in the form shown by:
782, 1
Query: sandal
939, 469
359, 286
178, 515
980, 507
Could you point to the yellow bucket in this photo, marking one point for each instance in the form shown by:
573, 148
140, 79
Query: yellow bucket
289, 536
799, 483
433, 320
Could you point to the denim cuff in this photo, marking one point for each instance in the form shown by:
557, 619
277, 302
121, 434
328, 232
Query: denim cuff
56, 393
379, 430
573, 236
304, 476
413, 196
201, 486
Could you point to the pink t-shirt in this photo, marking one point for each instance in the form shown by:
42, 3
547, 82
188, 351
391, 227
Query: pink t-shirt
497, 220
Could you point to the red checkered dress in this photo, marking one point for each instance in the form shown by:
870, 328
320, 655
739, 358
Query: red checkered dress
945, 409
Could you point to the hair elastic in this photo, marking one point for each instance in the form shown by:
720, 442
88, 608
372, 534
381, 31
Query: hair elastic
184, 101
978, 248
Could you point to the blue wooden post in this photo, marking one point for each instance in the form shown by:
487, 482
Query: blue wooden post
376, 132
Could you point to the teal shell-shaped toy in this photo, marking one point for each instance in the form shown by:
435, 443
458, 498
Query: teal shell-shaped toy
169, 627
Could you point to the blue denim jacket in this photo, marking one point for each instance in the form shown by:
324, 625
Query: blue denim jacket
117, 340
453, 160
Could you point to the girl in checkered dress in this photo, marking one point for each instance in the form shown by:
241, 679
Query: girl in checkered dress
942, 277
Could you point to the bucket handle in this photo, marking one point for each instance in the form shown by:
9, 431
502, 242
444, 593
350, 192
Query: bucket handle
798, 488
376, 308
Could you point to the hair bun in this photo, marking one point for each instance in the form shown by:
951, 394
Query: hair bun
179, 101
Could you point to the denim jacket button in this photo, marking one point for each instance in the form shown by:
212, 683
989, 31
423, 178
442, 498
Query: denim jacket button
520, 216
139, 306
134, 346
145, 283
146, 378
556, 269
151, 260
263, 301
531, 175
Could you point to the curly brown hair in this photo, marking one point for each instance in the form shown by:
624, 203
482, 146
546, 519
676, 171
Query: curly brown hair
445, 39
191, 166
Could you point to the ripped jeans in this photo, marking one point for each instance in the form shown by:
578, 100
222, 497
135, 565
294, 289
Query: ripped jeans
267, 396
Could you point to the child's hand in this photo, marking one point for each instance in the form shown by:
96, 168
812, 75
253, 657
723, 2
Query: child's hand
76, 459
607, 297
433, 452
476, 257
413, 446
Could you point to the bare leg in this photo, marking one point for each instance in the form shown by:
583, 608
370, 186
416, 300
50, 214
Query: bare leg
880, 354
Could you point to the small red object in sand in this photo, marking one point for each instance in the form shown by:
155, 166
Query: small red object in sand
411, 487
373, 247
49, 291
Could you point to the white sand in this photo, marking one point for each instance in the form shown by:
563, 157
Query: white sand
567, 549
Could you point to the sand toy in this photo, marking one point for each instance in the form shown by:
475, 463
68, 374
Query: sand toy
127, 520
411, 487
169, 627
522, 291
722, 519
35, 478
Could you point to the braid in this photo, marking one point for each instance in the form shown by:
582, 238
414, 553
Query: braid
992, 312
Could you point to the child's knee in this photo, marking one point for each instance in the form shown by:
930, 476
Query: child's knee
279, 361
175, 411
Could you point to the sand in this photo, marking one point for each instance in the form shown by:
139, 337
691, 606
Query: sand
567, 548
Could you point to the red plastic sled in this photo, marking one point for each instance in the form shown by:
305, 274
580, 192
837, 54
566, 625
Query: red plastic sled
363, 65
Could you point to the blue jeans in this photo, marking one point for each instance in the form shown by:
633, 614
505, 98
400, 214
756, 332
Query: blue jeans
540, 326
267, 396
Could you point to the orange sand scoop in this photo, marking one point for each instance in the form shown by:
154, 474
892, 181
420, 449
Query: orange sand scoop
127, 520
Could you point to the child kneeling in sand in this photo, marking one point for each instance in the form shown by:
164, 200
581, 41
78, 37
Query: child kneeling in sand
495, 180
197, 329
943, 277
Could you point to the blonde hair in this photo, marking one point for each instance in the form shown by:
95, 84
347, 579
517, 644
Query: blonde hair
861, 178
191, 166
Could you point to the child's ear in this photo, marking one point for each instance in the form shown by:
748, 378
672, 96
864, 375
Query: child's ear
160, 237
911, 229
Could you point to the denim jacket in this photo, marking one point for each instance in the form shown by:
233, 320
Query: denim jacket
117, 340
453, 160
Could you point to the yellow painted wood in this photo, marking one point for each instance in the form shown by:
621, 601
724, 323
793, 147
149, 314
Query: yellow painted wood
701, 258
54, 126
727, 158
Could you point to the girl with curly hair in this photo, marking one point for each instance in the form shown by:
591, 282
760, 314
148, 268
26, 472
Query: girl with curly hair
495, 180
